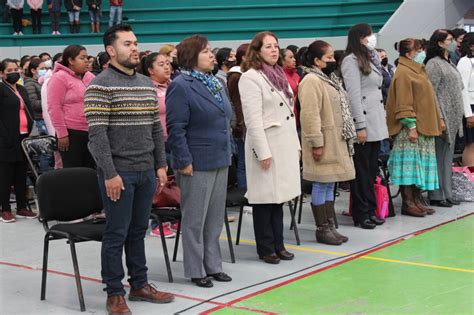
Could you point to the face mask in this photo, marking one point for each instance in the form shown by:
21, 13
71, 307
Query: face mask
41, 72
330, 67
420, 57
452, 47
372, 43
384, 61
174, 63
13, 77
48, 64
231, 64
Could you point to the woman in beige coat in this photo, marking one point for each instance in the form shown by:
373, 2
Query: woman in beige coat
271, 144
327, 134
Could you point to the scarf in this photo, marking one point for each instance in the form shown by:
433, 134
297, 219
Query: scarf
277, 77
375, 59
210, 81
348, 127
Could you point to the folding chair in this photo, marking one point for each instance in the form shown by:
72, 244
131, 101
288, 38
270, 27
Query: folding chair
39, 152
66, 195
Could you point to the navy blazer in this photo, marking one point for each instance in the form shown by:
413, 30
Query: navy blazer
198, 125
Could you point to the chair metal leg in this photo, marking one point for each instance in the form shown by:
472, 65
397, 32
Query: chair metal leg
239, 226
391, 208
297, 202
290, 204
293, 222
165, 251
45, 266
300, 207
77, 275
229, 238
176, 243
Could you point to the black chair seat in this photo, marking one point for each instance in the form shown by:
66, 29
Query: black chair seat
236, 197
81, 231
166, 214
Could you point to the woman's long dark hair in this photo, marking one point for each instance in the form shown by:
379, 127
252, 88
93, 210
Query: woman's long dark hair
354, 46
466, 44
434, 49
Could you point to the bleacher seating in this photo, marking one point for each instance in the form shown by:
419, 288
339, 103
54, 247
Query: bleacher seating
171, 21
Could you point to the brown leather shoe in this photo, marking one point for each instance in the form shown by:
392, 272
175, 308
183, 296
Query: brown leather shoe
413, 211
271, 259
116, 305
150, 294
285, 255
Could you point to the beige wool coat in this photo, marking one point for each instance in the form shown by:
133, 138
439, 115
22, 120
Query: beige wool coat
271, 133
321, 126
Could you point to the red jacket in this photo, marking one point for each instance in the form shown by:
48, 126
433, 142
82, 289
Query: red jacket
116, 3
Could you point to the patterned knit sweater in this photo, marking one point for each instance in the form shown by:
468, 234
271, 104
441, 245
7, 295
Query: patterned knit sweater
125, 132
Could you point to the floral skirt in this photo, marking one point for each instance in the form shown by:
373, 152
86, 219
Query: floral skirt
413, 163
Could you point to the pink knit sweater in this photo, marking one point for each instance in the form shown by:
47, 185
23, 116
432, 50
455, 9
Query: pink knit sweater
35, 4
66, 100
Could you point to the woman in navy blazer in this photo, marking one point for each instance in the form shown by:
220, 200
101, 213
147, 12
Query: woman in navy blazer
198, 116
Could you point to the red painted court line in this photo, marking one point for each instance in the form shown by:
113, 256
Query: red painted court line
70, 275
245, 297
230, 304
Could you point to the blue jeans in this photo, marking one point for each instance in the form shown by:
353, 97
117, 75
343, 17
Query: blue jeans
40, 124
241, 177
126, 226
73, 16
322, 193
95, 17
115, 12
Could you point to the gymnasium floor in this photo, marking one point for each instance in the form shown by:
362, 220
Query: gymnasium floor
406, 266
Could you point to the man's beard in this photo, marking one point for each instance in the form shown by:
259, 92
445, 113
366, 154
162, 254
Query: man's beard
128, 64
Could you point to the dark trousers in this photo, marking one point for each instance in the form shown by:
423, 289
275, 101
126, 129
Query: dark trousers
55, 16
268, 228
126, 226
4, 12
17, 15
13, 174
36, 20
78, 154
362, 187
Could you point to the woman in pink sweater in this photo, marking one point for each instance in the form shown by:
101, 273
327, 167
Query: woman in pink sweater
66, 106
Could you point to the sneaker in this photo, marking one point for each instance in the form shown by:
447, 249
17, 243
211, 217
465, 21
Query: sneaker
166, 231
231, 218
174, 227
53, 33
15, 34
20, 33
7, 217
25, 213
58, 33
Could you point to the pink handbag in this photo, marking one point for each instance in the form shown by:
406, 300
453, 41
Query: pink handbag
381, 197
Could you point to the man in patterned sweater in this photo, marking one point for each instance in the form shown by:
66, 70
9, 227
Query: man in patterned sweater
126, 140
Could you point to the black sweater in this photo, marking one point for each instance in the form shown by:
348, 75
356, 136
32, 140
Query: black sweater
10, 145
69, 4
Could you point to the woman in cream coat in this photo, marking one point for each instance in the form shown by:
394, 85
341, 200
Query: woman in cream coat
271, 145
328, 134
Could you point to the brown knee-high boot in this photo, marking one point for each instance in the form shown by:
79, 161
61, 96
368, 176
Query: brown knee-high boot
330, 214
323, 233
420, 201
409, 207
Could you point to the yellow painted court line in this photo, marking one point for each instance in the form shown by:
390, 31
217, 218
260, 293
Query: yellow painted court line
401, 262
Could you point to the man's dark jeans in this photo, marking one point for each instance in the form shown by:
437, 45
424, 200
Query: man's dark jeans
126, 226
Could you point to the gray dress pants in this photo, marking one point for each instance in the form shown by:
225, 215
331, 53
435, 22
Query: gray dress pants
203, 208
444, 157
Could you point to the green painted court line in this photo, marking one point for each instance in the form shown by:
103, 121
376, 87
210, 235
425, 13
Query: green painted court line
367, 286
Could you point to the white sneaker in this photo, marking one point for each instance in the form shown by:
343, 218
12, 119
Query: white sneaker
248, 210
15, 34
21, 33
53, 33
57, 33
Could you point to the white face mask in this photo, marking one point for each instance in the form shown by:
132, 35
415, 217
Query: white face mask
372, 43
48, 64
